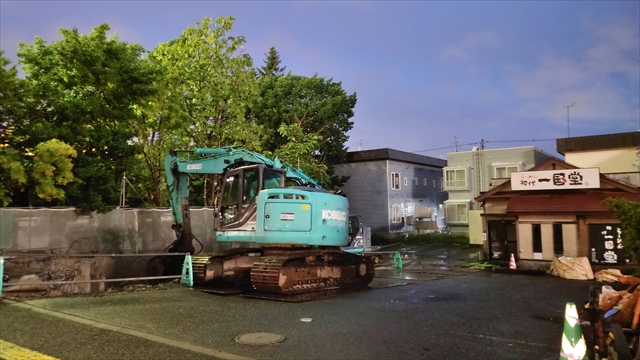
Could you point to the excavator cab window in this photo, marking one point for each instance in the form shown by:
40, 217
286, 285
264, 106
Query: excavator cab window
251, 179
230, 198
272, 179
240, 189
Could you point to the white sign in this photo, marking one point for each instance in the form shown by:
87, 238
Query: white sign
287, 216
561, 179
194, 166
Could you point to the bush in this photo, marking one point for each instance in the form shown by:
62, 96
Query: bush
420, 239
437, 238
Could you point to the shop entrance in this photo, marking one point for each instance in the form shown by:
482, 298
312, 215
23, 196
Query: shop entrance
502, 239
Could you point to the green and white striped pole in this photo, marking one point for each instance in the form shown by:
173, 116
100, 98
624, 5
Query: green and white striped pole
573, 344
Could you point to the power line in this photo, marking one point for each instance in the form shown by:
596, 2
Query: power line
486, 141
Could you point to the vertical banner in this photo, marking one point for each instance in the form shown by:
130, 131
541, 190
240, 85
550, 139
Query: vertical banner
606, 244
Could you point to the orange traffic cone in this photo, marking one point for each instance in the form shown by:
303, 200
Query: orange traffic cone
512, 263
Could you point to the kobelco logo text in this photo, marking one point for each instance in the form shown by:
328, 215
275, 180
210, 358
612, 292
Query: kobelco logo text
334, 215
194, 166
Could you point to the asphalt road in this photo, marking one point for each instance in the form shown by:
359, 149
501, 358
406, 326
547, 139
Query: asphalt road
445, 311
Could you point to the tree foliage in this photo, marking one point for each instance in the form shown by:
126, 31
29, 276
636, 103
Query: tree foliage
325, 107
84, 88
52, 166
299, 150
211, 84
628, 212
271, 65
12, 175
91, 108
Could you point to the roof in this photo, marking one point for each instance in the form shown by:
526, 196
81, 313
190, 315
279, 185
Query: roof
504, 189
391, 154
565, 203
598, 142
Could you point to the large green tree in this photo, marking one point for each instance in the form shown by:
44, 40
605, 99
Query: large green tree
43, 170
318, 106
83, 91
12, 175
208, 86
211, 83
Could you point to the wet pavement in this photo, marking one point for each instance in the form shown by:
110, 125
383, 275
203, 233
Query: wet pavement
436, 306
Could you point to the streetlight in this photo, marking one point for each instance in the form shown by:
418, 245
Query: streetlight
568, 131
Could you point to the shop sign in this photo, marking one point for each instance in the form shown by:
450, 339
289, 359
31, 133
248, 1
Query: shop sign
564, 179
606, 244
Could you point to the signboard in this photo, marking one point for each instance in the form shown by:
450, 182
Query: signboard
606, 244
562, 179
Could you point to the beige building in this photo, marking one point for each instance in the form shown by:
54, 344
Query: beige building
554, 209
616, 155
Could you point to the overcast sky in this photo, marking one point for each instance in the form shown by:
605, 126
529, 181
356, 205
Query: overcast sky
426, 73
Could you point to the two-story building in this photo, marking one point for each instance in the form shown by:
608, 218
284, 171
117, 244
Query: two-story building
471, 173
394, 191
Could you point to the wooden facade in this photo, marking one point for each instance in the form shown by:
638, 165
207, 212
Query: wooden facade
536, 225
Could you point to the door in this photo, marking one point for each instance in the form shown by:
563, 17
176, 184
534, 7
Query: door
502, 238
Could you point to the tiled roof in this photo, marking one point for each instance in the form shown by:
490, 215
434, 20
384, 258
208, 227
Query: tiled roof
391, 154
565, 203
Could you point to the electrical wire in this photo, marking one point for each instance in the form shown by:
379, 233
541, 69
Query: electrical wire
485, 141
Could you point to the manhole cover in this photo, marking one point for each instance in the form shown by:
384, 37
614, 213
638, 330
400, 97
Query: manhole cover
261, 338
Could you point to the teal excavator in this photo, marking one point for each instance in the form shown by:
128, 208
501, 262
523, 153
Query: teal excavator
298, 226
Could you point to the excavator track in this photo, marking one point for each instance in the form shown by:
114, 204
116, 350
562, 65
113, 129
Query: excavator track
311, 271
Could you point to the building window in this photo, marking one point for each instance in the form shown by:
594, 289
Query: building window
558, 248
504, 172
455, 179
457, 213
441, 185
536, 236
395, 181
405, 181
396, 213
424, 181
434, 183
415, 181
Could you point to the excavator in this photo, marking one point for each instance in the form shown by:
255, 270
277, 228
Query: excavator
298, 227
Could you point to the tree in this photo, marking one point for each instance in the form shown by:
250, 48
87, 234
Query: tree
83, 90
46, 168
325, 107
271, 65
11, 98
628, 212
211, 84
13, 175
299, 150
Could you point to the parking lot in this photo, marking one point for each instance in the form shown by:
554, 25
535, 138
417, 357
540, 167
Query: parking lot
436, 306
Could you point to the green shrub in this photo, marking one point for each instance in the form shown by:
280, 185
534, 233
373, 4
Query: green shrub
437, 238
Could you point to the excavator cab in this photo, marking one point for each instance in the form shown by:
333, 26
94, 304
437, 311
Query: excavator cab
238, 196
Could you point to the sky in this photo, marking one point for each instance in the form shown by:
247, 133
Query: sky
431, 77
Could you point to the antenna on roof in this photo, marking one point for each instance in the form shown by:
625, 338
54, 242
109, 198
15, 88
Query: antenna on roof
360, 148
455, 142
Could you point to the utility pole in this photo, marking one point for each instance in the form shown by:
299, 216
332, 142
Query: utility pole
455, 142
568, 128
